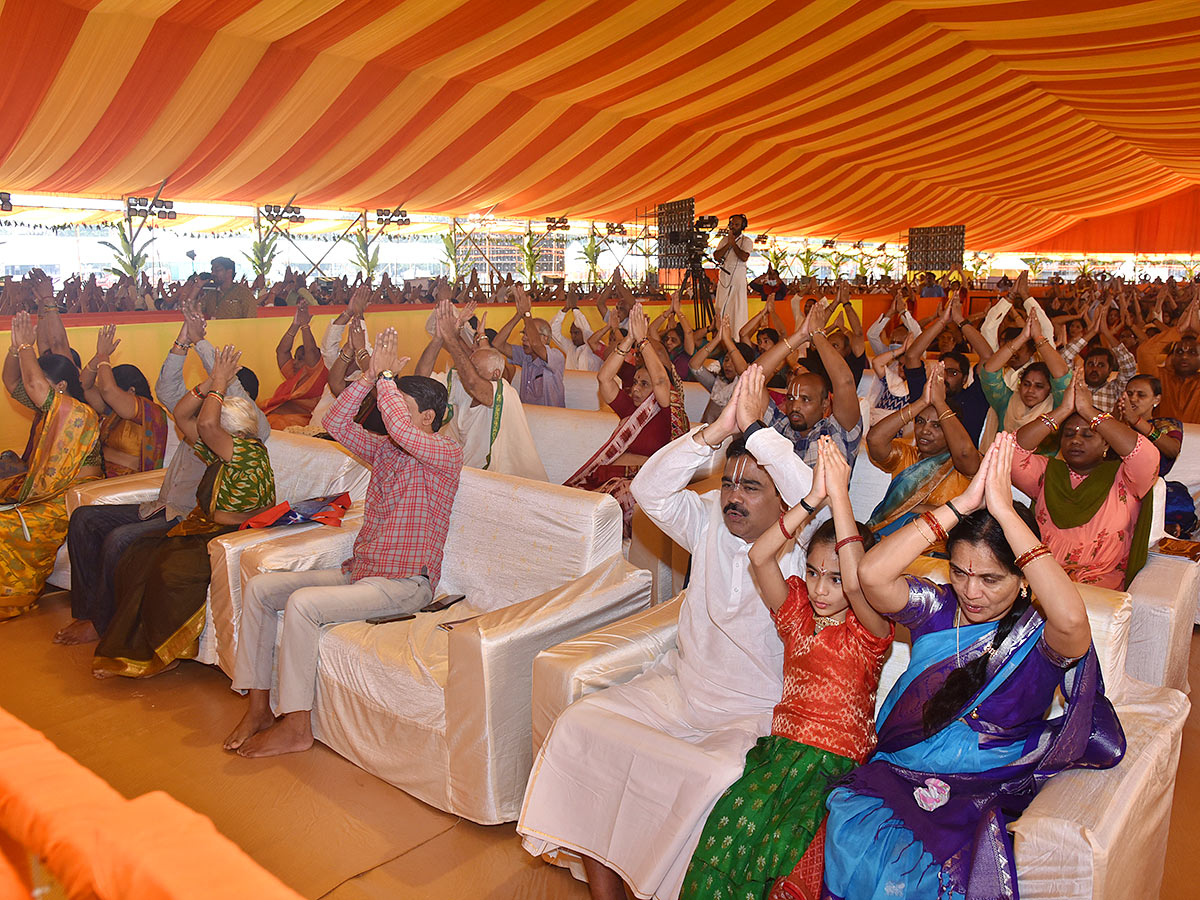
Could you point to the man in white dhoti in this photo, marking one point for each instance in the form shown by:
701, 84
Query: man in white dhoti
628, 775
485, 416
731, 254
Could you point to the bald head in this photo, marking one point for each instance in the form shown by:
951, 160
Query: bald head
489, 363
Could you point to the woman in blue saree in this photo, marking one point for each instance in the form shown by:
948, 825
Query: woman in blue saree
964, 741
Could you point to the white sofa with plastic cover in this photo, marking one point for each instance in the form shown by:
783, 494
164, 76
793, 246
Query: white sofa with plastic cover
304, 467
1090, 835
439, 706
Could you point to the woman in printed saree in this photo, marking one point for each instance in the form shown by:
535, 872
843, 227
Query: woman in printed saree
33, 512
931, 469
824, 726
304, 375
161, 583
1094, 512
651, 411
1040, 385
964, 738
133, 428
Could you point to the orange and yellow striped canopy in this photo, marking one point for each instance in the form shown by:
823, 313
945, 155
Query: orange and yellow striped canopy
1037, 124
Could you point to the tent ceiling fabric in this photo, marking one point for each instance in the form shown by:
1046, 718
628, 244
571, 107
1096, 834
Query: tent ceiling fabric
1018, 118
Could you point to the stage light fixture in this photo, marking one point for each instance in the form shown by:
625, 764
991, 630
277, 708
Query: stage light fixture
5, 201
558, 223
391, 217
829, 244
761, 238
882, 248
611, 228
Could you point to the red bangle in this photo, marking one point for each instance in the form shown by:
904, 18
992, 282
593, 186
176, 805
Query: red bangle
850, 540
790, 537
938, 530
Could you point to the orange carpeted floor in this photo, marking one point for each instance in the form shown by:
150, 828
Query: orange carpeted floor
322, 825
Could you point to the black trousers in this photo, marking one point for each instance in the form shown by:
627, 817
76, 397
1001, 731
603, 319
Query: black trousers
97, 538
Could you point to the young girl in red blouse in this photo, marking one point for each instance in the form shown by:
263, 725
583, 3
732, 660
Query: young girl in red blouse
765, 835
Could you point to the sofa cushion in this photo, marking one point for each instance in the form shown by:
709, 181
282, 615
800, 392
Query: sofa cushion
511, 539
308, 467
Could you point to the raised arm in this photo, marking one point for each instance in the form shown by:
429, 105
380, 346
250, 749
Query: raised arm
37, 385
609, 378
639, 327
123, 403
764, 553
480, 389
837, 488
283, 350
208, 423
881, 572
962, 449
858, 344
912, 358
500, 341
845, 399
998, 360
1067, 629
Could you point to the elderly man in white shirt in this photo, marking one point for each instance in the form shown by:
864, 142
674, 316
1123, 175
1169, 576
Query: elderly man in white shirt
579, 355
628, 775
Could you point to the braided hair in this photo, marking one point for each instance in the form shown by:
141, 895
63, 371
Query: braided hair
980, 527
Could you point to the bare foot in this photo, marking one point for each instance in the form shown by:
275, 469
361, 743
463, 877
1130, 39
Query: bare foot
291, 734
250, 725
80, 631
103, 673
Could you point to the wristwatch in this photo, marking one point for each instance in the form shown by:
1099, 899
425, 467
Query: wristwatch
388, 374
528, 314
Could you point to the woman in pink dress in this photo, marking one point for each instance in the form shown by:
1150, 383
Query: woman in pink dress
1089, 506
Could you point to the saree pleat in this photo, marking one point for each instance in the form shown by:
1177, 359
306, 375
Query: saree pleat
33, 511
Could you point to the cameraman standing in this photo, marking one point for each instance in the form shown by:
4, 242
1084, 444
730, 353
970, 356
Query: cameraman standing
731, 254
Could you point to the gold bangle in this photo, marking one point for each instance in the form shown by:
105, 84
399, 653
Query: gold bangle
947, 414
24, 347
929, 538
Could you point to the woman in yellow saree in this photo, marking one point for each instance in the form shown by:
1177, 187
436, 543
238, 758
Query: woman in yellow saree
33, 511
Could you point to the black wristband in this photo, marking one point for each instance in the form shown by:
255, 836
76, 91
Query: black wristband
754, 426
957, 514
808, 507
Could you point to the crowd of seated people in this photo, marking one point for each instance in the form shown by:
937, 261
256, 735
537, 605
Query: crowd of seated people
1078, 399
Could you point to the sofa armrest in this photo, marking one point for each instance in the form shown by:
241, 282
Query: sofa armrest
240, 555
1164, 595
1102, 835
610, 655
489, 681
136, 488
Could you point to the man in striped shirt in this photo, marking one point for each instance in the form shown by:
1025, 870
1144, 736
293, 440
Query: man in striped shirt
397, 557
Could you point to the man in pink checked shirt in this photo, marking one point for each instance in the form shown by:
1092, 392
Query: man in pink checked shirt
397, 555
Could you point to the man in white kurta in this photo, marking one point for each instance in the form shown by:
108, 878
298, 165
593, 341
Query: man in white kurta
579, 355
628, 775
485, 415
732, 253
496, 437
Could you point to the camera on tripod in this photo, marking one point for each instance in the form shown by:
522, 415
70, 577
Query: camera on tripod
695, 240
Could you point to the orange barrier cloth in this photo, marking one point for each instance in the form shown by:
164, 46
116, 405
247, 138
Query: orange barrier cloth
98, 844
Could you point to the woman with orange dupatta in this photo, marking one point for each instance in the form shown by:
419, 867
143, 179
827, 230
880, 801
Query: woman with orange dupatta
304, 375
33, 510
652, 415
133, 431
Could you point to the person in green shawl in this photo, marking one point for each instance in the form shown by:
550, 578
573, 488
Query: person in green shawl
1093, 511
935, 466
